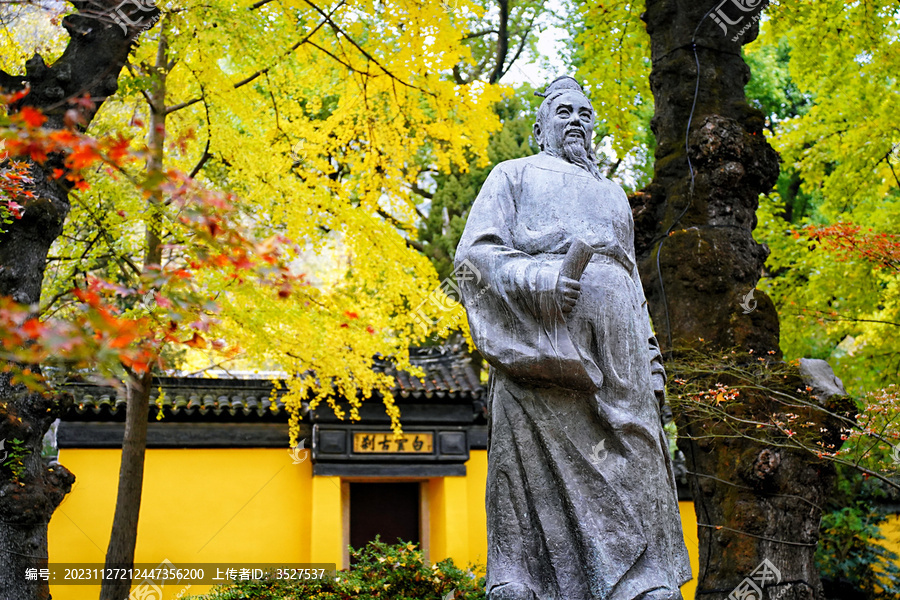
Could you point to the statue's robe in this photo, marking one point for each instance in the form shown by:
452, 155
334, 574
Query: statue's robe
581, 500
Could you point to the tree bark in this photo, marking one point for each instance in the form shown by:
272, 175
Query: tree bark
90, 67
28, 500
123, 537
699, 260
710, 261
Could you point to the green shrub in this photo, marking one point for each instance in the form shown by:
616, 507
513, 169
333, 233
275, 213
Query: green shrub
848, 551
382, 571
851, 561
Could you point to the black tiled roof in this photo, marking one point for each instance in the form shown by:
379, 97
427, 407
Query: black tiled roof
448, 378
447, 375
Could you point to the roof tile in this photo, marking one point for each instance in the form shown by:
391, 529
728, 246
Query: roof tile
448, 376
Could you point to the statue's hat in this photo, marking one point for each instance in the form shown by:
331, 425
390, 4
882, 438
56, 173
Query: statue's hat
560, 84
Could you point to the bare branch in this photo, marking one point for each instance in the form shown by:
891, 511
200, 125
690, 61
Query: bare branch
890, 164
180, 105
819, 314
321, 49
203, 158
206, 155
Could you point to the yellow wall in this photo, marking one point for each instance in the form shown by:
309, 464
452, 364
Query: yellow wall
198, 506
253, 505
449, 514
476, 471
891, 530
689, 527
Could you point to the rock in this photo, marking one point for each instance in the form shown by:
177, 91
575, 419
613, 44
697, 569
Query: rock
817, 374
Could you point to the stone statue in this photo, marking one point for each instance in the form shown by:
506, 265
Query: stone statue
581, 500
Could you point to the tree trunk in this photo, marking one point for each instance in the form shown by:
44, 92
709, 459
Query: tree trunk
89, 66
123, 537
699, 261
29, 493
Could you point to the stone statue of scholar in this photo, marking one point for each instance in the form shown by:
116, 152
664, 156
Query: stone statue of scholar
581, 500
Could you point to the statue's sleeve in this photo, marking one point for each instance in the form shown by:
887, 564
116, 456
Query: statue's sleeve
510, 298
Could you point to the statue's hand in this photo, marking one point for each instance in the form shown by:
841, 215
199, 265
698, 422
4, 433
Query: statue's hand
567, 292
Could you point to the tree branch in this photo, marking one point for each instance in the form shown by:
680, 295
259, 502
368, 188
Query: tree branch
337, 29
517, 54
502, 42
524, 38
887, 157
830, 317
476, 34
417, 190
203, 158
144, 93
261, 72
206, 155
181, 105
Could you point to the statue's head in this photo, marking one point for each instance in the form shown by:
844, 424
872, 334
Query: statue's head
565, 124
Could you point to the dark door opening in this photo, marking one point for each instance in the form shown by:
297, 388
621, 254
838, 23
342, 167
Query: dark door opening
390, 510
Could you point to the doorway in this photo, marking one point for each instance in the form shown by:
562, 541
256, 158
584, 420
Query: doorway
389, 510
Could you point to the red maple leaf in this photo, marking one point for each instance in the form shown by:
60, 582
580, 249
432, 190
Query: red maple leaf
32, 117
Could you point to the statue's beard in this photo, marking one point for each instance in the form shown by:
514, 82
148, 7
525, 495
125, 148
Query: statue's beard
573, 151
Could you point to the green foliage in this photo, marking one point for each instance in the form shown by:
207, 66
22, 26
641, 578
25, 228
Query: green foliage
829, 99
848, 550
480, 22
382, 571
843, 309
15, 459
611, 49
771, 88
833, 112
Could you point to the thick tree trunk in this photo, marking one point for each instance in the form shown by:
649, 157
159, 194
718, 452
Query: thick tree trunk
699, 260
710, 261
30, 492
89, 66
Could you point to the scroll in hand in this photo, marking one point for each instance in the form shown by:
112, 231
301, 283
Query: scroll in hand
573, 266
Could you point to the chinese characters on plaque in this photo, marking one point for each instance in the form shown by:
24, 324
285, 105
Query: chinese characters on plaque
411, 443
